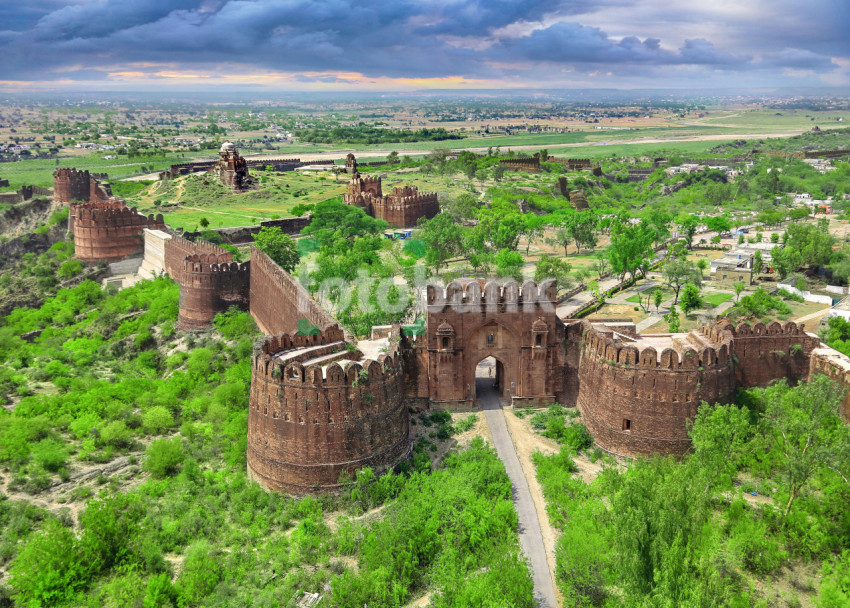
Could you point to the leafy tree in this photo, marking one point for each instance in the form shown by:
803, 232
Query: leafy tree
631, 248
509, 263
498, 173
739, 287
333, 220
718, 223
278, 246
688, 225
461, 208
657, 298
672, 319
502, 225
392, 158
582, 228
758, 304
807, 432
691, 299
533, 229
443, 239
204, 223
720, 436
552, 267
678, 273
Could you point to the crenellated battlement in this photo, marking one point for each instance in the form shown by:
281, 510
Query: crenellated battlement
401, 207
77, 185
630, 352
318, 409
108, 231
531, 164
469, 292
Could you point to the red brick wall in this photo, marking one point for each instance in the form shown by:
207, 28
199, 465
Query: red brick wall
177, 249
305, 429
466, 316
278, 300
659, 393
109, 231
208, 288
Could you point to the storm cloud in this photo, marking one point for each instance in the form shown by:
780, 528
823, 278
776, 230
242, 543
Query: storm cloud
531, 41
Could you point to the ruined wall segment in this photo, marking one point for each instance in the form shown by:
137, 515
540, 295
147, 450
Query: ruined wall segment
73, 185
317, 411
232, 168
402, 207
531, 165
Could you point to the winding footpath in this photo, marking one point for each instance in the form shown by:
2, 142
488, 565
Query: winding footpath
530, 534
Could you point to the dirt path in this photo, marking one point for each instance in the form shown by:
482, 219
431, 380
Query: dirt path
530, 532
526, 442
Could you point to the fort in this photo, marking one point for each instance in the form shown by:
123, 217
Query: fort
108, 231
71, 185
402, 207
323, 405
530, 164
318, 410
578, 164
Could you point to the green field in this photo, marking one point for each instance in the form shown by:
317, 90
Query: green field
712, 300
186, 200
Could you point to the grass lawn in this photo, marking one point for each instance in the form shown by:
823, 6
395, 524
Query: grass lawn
715, 299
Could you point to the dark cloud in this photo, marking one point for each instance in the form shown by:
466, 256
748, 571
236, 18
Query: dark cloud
46, 39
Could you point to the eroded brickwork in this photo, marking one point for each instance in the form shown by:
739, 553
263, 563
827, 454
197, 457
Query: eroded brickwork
317, 411
232, 168
637, 395
109, 231
73, 185
531, 165
402, 207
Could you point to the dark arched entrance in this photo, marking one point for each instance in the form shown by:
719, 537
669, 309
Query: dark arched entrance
490, 375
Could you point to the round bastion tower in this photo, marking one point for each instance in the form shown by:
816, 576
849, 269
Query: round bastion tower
318, 410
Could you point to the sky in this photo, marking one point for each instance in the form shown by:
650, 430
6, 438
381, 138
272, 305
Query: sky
398, 45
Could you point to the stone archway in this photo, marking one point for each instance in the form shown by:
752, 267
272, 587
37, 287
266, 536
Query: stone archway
494, 340
490, 372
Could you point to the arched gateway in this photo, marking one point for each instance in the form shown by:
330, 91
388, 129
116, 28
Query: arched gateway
469, 321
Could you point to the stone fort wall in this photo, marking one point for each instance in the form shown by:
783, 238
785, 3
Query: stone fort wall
208, 287
636, 400
402, 207
73, 185
467, 322
278, 300
109, 231
310, 419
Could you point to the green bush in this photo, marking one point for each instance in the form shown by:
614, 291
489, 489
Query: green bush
157, 418
164, 457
